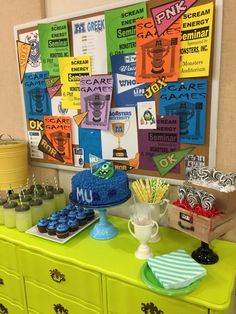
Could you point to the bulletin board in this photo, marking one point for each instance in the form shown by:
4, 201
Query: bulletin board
152, 107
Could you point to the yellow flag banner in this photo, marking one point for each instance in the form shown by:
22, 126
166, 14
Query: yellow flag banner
23, 51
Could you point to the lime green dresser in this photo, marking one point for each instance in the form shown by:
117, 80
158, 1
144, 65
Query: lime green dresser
86, 276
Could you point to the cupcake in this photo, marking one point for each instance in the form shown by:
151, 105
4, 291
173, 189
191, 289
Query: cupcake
81, 217
70, 206
73, 224
62, 220
63, 212
51, 228
89, 212
42, 225
72, 214
54, 217
62, 231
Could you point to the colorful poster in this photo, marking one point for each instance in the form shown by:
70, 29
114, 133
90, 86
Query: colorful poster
34, 61
163, 139
58, 131
46, 146
34, 139
192, 164
120, 141
126, 91
54, 43
187, 99
37, 100
121, 29
57, 110
71, 69
146, 115
96, 93
90, 141
196, 38
23, 52
89, 38
157, 57
165, 15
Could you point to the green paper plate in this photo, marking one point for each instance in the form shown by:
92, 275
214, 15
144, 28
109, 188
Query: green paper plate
150, 280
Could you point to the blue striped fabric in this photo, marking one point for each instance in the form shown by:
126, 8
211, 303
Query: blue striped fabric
176, 269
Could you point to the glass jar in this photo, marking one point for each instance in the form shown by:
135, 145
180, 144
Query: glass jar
60, 198
2, 202
10, 214
23, 217
26, 199
36, 206
14, 197
49, 205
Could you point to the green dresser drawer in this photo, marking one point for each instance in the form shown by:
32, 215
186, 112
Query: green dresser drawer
44, 301
7, 307
123, 298
10, 286
62, 277
8, 256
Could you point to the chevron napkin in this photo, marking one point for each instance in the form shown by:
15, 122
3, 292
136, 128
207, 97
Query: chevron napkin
176, 269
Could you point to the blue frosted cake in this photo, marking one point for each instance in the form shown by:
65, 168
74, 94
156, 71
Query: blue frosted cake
88, 189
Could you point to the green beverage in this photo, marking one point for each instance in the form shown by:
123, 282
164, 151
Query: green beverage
10, 214
36, 206
23, 217
60, 198
26, 199
2, 202
14, 197
49, 204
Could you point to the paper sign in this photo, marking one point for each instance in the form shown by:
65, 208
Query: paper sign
37, 100
90, 141
89, 38
196, 37
78, 157
36, 125
120, 141
52, 81
187, 99
126, 91
53, 90
34, 139
47, 148
120, 30
79, 117
71, 70
166, 162
165, 15
23, 51
95, 160
95, 94
58, 131
146, 115
163, 139
157, 57
54, 44
34, 61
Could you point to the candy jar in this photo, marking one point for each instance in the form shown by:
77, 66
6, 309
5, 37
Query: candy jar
23, 217
2, 202
9, 214
49, 204
37, 212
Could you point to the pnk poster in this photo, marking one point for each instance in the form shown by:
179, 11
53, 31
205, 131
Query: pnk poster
89, 38
58, 131
157, 57
126, 91
196, 38
54, 43
34, 61
96, 93
120, 141
163, 139
121, 29
37, 100
71, 70
187, 99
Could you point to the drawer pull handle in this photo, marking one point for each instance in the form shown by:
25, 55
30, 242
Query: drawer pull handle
3, 309
150, 308
56, 275
185, 227
1, 281
59, 309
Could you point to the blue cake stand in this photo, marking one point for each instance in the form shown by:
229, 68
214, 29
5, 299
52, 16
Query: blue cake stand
103, 229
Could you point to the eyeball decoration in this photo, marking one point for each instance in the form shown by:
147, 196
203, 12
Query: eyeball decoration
104, 170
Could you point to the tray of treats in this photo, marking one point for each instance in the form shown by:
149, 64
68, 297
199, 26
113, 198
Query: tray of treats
64, 224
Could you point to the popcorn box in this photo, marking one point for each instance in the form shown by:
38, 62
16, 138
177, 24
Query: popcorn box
225, 201
200, 227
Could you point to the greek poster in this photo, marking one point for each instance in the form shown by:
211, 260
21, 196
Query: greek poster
163, 139
120, 141
34, 61
71, 69
96, 93
187, 99
126, 91
120, 34
157, 56
58, 131
196, 36
54, 44
37, 100
146, 111
89, 38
